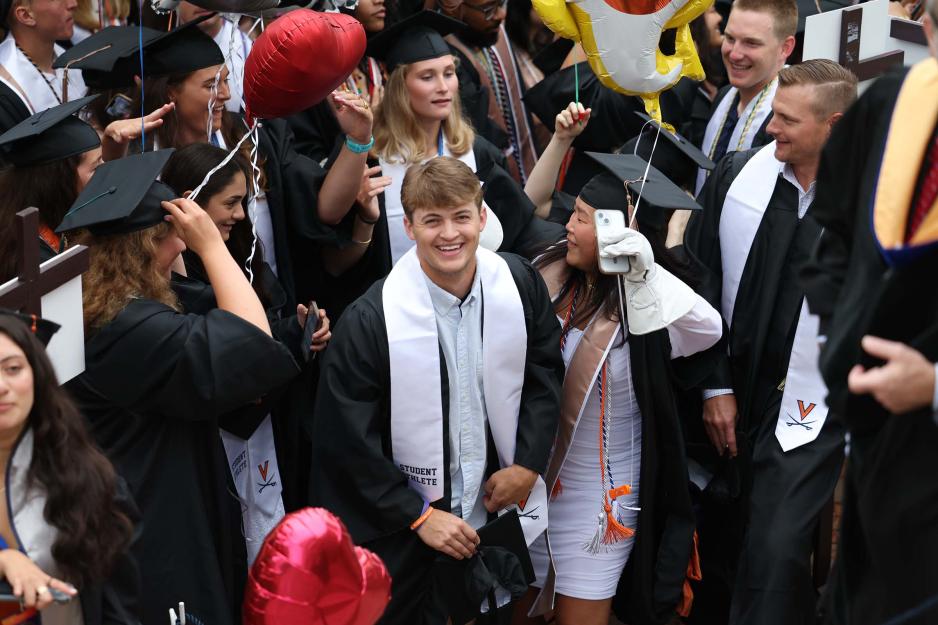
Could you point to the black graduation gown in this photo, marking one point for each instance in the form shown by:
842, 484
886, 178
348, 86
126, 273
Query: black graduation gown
12, 108
612, 122
523, 232
653, 580
353, 474
288, 405
315, 131
888, 552
780, 495
154, 386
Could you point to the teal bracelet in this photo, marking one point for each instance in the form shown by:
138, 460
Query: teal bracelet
359, 148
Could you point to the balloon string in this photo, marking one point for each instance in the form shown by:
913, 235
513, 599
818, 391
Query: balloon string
143, 113
576, 81
651, 156
252, 203
225, 161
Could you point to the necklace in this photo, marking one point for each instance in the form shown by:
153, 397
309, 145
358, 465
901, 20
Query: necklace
41, 73
746, 127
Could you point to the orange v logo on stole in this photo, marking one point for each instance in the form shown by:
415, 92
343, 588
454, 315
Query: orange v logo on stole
263, 468
805, 411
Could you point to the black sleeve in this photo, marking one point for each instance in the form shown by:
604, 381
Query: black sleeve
119, 594
543, 373
188, 366
353, 474
315, 131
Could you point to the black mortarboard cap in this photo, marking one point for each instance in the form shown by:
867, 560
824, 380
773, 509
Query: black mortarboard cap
122, 196
42, 328
182, 50
502, 554
674, 156
659, 195
417, 38
109, 58
49, 135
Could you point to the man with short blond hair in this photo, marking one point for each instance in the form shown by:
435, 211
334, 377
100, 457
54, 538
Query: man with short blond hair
754, 235
439, 397
758, 39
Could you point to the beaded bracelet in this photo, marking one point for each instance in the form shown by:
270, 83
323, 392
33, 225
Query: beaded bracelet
359, 148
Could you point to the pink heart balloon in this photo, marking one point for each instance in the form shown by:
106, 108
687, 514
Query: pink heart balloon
308, 571
298, 60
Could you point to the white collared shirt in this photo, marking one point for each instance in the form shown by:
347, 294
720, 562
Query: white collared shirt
38, 86
235, 46
459, 327
805, 196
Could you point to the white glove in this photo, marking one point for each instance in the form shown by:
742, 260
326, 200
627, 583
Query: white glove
654, 297
629, 244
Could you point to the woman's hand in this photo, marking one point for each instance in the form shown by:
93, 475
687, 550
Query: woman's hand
571, 121
354, 115
321, 336
28, 581
120, 133
193, 225
372, 186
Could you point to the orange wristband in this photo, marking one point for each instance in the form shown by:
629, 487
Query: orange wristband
423, 517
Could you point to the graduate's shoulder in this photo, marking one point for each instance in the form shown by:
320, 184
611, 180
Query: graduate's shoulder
369, 307
525, 275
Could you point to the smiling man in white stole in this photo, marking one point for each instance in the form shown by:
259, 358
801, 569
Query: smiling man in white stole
765, 399
439, 395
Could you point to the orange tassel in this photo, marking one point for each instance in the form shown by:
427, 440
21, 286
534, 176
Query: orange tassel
557, 490
693, 573
615, 531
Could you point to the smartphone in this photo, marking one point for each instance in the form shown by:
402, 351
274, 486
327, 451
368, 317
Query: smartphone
119, 107
605, 223
313, 323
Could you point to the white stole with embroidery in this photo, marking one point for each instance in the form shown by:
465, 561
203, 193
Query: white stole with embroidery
759, 115
416, 386
803, 410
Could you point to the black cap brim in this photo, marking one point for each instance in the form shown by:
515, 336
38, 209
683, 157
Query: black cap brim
659, 195
108, 59
42, 328
122, 196
49, 135
182, 50
683, 145
417, 38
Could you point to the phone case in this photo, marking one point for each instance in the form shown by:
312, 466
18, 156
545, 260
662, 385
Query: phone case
605, 222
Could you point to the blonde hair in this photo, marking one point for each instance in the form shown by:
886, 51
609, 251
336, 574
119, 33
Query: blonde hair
443, 182
398, 137
835, 86
122, 268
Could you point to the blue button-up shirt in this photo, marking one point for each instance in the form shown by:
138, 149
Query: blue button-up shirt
459, 326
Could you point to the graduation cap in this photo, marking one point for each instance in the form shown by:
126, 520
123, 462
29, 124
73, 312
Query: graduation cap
49, 135
122, 196
674, 156
42, 328
417, 38
182, 50
109, 58
606, 190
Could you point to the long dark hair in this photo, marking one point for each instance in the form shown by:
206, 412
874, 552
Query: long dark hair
518, 25
710, 56
79, 482
52, 188
604, 294
185, 170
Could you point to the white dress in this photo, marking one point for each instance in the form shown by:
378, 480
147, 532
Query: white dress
573, 513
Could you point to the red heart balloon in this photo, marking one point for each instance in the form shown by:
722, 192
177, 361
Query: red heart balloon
308, 571
298, 60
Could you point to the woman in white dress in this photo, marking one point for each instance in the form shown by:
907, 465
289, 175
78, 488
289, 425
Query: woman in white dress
617, 474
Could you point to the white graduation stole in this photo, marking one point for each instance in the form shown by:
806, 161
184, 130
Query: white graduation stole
803, 410
416, 386
749, 122
256, 476
490, 239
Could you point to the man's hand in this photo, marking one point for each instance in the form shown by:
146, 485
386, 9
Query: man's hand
449, 534
719, 417
509, 486
905, 383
